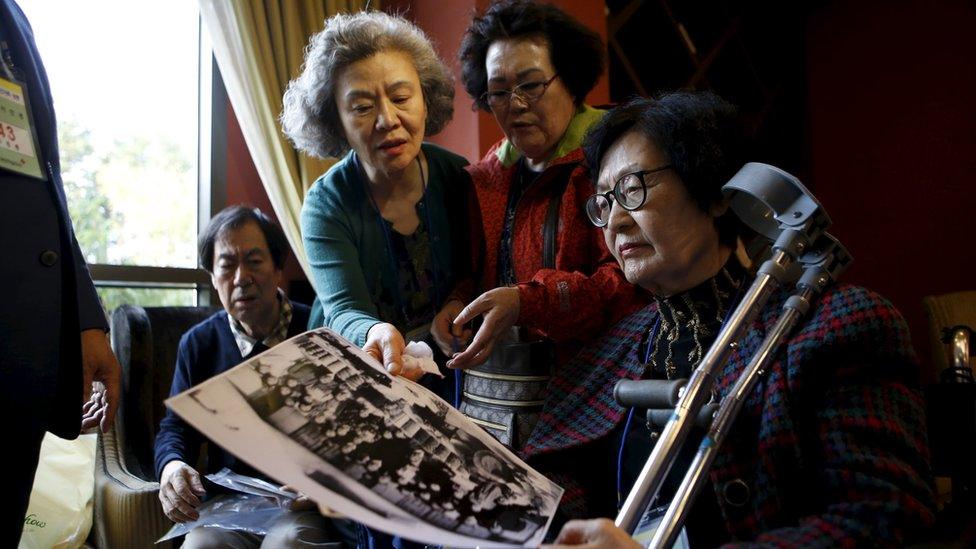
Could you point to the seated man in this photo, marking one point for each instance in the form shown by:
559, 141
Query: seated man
244, 252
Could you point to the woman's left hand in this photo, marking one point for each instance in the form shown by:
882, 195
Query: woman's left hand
597, 533
500, 308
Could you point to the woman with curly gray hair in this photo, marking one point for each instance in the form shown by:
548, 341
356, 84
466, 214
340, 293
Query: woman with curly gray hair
384, 228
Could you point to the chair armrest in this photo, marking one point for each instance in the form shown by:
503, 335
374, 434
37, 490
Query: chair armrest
127, 508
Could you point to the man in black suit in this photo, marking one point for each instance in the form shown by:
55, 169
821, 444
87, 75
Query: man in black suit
53, 341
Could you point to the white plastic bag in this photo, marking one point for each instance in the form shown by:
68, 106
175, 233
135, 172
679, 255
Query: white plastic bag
252, 506
60, 511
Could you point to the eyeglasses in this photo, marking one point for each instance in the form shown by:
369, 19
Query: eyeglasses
630, 191
526, 92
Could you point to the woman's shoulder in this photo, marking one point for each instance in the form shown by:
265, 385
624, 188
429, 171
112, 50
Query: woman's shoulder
447, 175
855, 304
838, 301
854, 320
848, 298
445, 157
338, 183
490, 166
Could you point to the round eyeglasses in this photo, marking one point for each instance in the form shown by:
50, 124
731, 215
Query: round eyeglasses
526, 92
630, 191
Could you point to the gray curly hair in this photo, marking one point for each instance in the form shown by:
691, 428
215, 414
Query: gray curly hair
311, 118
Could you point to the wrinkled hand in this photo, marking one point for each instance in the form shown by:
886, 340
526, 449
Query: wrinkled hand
446, 331
93, 410
500, 308
596, 534
180, 490
385, 344
100, 366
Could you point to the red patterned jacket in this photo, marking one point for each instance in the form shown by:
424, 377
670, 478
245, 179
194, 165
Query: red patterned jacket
586, 292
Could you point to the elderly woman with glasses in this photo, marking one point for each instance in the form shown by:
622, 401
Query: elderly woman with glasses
830, 446
544, 267
383, 228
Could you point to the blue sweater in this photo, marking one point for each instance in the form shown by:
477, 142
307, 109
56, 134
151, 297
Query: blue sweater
351, 268
206, 350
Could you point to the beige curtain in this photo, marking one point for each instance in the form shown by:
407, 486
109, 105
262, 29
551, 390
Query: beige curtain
259, 46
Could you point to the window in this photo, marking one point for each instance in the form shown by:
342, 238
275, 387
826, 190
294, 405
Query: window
132, 90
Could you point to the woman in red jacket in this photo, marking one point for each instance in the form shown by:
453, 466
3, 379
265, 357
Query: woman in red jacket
546, 269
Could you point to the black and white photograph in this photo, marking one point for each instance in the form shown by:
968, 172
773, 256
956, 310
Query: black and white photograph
320, 415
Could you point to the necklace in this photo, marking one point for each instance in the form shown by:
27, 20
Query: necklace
436, 290
686, 323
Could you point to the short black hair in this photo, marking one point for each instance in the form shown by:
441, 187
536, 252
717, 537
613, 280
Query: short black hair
234, 217
577, 52
699, 133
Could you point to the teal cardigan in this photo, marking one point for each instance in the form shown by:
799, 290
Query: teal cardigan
347, 251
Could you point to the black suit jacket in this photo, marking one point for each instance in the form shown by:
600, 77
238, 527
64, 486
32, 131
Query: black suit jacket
47, 293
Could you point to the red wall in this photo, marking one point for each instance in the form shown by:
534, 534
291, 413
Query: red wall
892, 118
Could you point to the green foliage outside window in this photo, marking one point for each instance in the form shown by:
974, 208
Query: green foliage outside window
132, 202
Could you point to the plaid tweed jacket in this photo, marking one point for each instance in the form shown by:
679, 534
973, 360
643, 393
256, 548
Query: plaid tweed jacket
831, 443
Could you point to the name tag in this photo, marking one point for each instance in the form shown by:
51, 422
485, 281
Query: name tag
18, 150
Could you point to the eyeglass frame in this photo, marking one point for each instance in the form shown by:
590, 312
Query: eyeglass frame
612, 195
516, 91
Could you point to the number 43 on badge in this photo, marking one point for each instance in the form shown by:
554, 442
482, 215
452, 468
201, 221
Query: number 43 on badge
18, 152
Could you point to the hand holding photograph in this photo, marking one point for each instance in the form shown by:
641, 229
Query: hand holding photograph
319, 414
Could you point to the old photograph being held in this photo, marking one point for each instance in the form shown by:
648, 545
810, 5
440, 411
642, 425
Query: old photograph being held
320, 415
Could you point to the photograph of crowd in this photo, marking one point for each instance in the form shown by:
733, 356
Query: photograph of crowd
389, 441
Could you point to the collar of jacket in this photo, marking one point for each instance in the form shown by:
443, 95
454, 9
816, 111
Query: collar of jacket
585, 117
